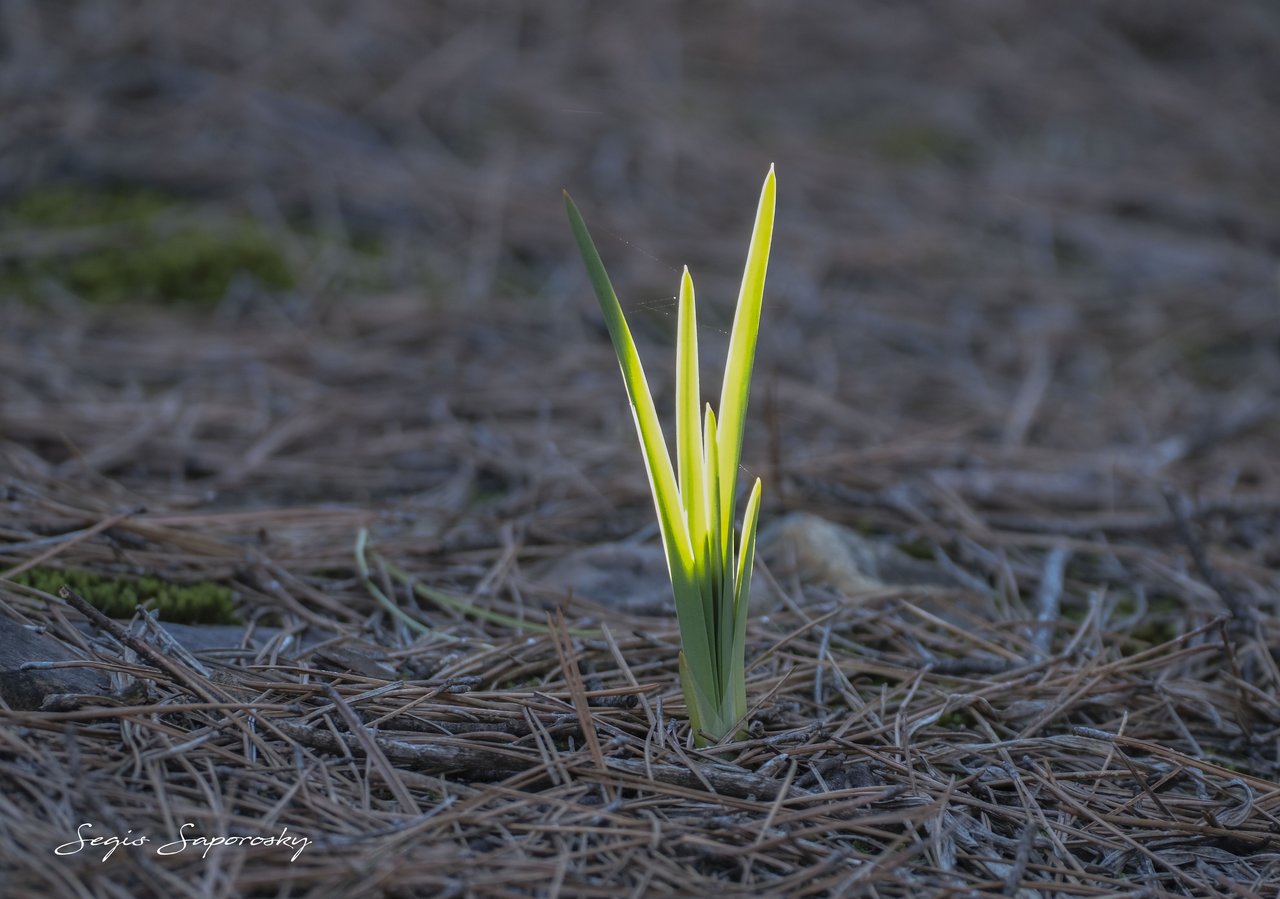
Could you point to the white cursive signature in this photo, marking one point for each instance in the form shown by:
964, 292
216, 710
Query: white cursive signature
185, 841
113, 842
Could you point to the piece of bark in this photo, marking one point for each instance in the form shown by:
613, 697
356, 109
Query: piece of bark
207, 637
215, 639
25, 690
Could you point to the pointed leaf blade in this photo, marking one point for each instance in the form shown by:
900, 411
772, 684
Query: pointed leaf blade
742, 348
657, 461
737, 688
688, 424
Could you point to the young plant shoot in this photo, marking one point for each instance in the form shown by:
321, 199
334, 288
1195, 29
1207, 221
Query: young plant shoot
710, 566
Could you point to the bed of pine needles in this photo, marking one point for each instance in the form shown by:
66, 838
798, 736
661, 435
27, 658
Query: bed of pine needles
1021, 325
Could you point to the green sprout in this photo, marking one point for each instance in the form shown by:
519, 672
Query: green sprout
710, 569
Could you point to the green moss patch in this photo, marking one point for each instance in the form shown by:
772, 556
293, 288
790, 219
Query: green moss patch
111, 246
77, 207
117, 597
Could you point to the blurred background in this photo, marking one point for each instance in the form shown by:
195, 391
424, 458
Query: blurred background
273, 272
1010, 236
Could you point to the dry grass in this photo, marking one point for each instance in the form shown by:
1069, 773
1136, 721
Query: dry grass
1021, 322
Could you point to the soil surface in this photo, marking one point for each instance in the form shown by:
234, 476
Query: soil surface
291, 319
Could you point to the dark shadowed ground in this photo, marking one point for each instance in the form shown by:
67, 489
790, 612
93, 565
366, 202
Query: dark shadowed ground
274, 275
